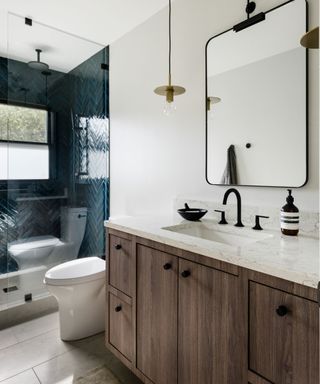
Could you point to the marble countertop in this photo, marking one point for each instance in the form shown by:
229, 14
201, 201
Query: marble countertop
294, 259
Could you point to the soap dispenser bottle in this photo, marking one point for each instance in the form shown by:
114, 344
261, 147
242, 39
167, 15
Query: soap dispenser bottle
289, 217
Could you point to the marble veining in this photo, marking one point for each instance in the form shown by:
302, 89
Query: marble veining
294, 259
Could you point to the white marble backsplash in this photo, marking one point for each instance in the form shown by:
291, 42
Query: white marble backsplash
308, 226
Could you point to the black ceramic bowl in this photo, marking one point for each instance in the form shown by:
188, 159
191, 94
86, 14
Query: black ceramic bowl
192, 214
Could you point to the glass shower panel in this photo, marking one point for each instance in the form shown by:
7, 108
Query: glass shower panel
5, 217
57, 153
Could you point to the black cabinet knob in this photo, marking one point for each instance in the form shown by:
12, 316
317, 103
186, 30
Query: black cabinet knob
185, 273
118, 246
118, 308
282, 310
167, 266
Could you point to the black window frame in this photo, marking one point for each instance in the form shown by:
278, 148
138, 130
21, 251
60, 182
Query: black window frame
50, 143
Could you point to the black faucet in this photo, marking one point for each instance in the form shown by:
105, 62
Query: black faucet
225, 198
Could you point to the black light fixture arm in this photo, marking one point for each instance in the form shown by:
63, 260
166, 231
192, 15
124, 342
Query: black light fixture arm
250, 8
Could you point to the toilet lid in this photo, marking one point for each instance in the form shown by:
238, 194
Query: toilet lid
32, 243
76, 271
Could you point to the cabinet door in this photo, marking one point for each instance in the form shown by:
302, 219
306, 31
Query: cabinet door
120, 326
211, 343
120, 264
284, 336
157, 315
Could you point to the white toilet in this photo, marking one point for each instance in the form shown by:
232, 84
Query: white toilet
49, 250
79, 287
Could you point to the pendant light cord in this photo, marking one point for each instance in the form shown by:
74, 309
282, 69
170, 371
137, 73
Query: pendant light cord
169, 42
248, 14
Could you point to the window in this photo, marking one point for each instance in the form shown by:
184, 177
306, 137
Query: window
24, 144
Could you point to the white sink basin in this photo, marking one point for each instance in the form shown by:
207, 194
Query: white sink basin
224, 234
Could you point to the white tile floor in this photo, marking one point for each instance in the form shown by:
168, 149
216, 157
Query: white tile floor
33, 353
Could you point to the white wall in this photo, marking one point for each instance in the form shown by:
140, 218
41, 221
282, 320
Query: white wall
155, 158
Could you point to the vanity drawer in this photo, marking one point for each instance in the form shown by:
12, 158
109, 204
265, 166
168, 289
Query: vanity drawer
120, 326
283, 336
120, 264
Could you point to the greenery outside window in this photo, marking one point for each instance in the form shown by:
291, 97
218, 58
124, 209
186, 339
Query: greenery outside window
24, 143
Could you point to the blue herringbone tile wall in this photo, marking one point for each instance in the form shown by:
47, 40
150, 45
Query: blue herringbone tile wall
82, 95
91, 148
20, 84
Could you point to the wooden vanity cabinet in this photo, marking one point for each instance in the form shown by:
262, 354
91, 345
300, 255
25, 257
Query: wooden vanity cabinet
157, 298
121, 263
283, 336
120, 325
191, 319
210, 332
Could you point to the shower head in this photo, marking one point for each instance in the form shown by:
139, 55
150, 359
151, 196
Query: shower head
38, 64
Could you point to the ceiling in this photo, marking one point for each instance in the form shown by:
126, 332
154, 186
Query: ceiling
102, 21
97, 22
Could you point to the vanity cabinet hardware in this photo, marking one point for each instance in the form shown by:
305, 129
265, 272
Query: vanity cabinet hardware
223, 216
118, 246
167, 266
248, 145
80, 216
282, 310
185, 273
118, 308
257, 226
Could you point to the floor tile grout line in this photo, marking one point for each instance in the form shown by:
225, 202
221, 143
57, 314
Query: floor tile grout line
16, 374
31, 338
36, 375
53, 357
35, 366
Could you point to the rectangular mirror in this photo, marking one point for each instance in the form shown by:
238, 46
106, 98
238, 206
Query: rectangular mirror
256, 92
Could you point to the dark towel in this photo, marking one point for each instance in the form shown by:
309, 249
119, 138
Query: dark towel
230, 173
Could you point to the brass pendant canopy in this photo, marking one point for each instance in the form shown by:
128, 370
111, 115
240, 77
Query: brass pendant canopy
169, 91
311, 39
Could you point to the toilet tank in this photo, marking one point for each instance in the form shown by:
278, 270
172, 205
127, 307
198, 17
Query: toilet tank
73, 224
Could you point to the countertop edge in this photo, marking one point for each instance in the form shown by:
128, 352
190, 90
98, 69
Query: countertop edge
310, 281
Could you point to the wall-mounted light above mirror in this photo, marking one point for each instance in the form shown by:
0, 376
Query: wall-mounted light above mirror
259, 72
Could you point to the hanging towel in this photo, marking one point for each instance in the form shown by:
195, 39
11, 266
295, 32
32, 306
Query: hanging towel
230, 173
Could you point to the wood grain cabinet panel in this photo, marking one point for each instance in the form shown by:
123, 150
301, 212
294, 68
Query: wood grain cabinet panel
120, 264
283, 336
157, 315
120, 326
211, 342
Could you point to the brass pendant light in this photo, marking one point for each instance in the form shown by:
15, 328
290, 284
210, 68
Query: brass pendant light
311, 39
169, 91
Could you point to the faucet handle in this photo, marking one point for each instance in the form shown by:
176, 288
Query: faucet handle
223, 216
257, 226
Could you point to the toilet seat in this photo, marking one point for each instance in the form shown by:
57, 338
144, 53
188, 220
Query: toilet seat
30, 243
76, 272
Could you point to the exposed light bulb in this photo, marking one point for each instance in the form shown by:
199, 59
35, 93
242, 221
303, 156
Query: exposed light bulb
169, 108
